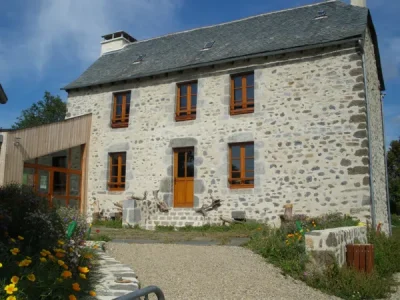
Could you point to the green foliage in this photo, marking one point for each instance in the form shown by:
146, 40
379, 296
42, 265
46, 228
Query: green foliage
387, 253
100, 237
33, 248
50, 109
108, 223
393, 165
348, 283
165, 228
68, 215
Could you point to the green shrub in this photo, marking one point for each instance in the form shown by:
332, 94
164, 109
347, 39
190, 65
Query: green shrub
348, 283
34, 250
238, 227
165, 228
68, 215
108, 223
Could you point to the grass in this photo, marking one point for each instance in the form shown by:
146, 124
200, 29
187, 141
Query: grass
108, 223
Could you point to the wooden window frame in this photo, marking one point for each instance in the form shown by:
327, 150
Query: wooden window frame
245, 101
119, 185
242, 171
189, 109
123, 120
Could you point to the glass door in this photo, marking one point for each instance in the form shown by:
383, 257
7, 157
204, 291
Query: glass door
43, 184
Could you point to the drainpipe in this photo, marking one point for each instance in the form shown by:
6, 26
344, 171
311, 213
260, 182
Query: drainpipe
386, 168
373, 216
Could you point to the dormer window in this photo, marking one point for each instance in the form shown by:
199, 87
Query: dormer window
121, 108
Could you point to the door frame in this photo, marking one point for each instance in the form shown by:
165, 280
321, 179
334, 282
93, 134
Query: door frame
175, 175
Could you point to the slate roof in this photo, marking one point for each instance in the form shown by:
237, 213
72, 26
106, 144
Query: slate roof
284, 30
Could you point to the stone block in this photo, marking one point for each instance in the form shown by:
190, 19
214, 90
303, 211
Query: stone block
239, 215
182, 142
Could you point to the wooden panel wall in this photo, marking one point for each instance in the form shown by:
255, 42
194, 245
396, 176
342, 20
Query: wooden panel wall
33, 142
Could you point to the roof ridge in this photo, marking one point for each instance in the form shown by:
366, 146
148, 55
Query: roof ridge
224, 23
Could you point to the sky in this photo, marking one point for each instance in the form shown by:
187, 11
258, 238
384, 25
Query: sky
46, 44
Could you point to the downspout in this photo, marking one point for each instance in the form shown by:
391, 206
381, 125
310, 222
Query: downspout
386, 168
371, 185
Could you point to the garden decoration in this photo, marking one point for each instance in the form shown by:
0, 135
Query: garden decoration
71, 228
89, 231
299, 227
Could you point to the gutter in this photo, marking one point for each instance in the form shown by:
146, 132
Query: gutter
222, 61
371, 183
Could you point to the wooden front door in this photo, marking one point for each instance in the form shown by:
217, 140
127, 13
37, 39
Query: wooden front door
183, 177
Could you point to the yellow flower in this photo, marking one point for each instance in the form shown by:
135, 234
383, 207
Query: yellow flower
11, 298
95, 246
28, 257
20, 238
31, 277
76, 287
60, 242
12, 240
58, 250
10, 288
42, 253
92, 293
15, 251
71, 250
71, 297
66, 274
59, 279
1, 265
25, 263
81, 275
65, 267
42, 259
60, 255
88, 256
52, 257
60, 262
83, 269
290, 235
14, 279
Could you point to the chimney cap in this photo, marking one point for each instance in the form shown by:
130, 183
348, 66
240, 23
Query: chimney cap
119, 34
361, 3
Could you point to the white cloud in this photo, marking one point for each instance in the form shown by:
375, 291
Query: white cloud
71, 30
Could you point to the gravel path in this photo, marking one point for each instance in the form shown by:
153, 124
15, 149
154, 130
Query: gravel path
209, 272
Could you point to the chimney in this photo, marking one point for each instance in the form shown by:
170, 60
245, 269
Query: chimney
115, 41
361, 3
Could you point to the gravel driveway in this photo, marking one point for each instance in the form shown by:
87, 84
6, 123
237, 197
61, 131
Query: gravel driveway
209, 272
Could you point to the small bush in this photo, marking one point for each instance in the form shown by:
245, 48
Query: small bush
348, 283
68, 215
108, 223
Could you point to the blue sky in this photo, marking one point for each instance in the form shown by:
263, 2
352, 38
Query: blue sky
46, 44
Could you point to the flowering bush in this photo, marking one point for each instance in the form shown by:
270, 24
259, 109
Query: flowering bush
36, 261
68, 215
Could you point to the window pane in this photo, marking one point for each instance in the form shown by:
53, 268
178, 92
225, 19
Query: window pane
250, 79
238, 95
123, 171
249, 150
235, 165
183, 90
250, 105
60, 183
73, 203
249, 174
59, 202
235, 174
128, 98
249, 181
119, 110
183, 102
181, 164
114, 179
194, 101
235, 151
237, 81
74, 184
250, 93
128, 108
28, 176
190, 164
194, 88
114, 159
119, 99
249, 164
123, 158
114, 171
44, 181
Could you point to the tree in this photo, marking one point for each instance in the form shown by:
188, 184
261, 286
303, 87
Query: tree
393, 163
48, 110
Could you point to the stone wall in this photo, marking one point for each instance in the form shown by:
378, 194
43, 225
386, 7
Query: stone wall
308, 128
377, 145
329, 245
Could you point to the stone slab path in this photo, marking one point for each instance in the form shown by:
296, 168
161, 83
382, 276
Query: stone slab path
111, 269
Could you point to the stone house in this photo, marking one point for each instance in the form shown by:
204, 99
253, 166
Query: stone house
283, 107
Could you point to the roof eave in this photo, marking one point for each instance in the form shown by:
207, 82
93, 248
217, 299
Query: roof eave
227, 60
